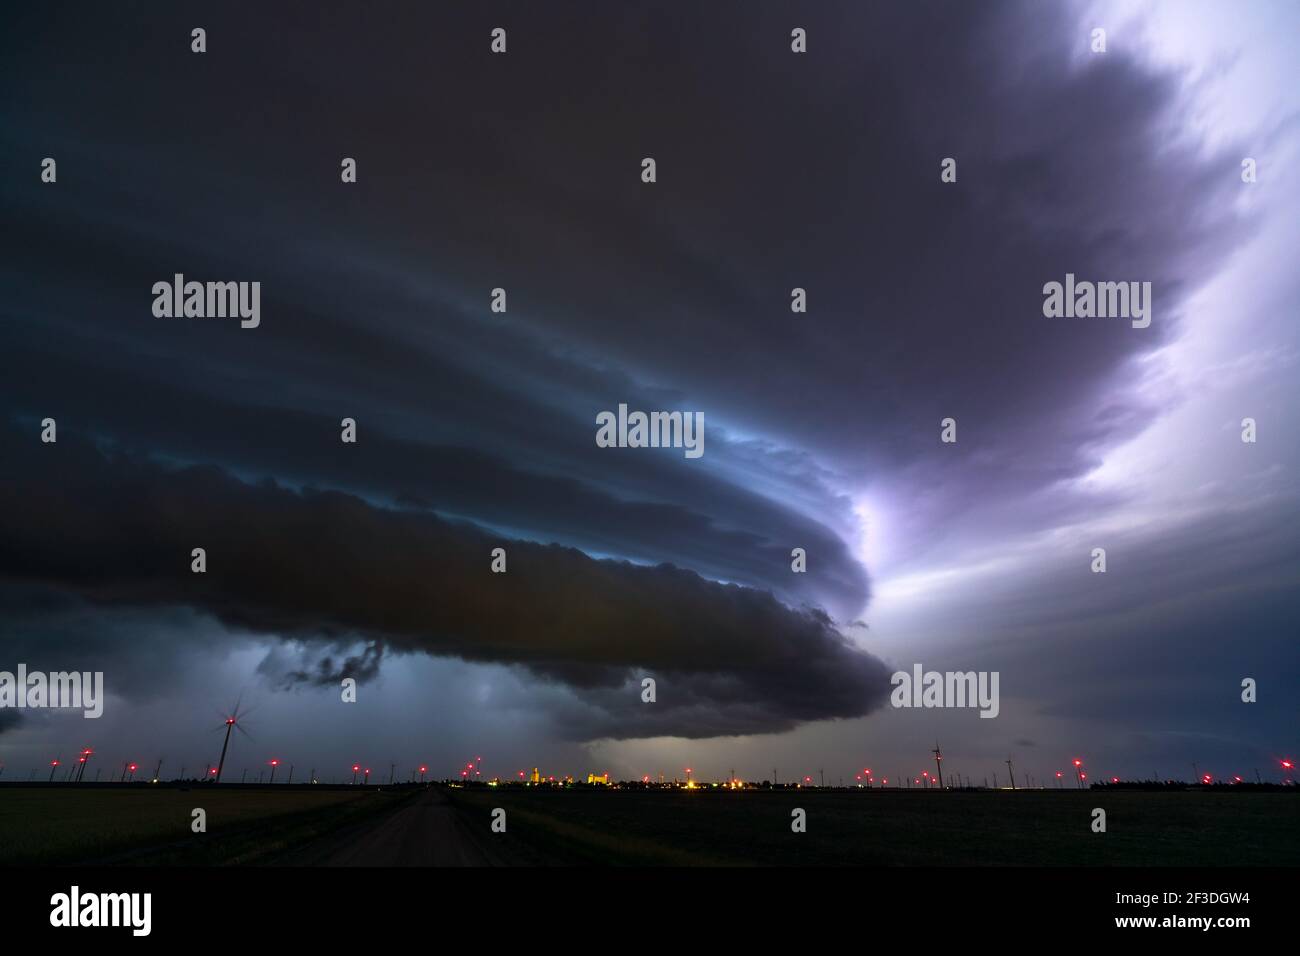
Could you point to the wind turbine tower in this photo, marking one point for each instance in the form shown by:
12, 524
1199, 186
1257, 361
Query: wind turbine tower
232, 722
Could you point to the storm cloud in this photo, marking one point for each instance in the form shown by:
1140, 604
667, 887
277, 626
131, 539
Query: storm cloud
326, 565
775, 171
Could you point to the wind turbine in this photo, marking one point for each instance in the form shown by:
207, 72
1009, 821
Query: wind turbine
231, 722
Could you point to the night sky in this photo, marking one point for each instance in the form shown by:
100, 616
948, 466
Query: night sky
775, 170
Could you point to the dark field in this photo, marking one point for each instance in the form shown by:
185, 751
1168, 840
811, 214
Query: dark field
151, 825
894, 828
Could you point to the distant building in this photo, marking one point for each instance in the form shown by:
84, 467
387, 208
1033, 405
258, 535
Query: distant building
602, 778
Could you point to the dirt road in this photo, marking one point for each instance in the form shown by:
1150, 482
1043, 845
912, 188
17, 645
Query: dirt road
426, 831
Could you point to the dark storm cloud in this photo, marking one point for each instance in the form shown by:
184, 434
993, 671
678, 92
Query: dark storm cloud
925, 297
721, 530
522, 171
140, 650
323, 564
328, 670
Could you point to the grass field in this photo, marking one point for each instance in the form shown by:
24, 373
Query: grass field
896, 828
151, 825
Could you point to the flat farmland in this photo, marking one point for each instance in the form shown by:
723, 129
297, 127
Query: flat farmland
152, 824
895, 828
